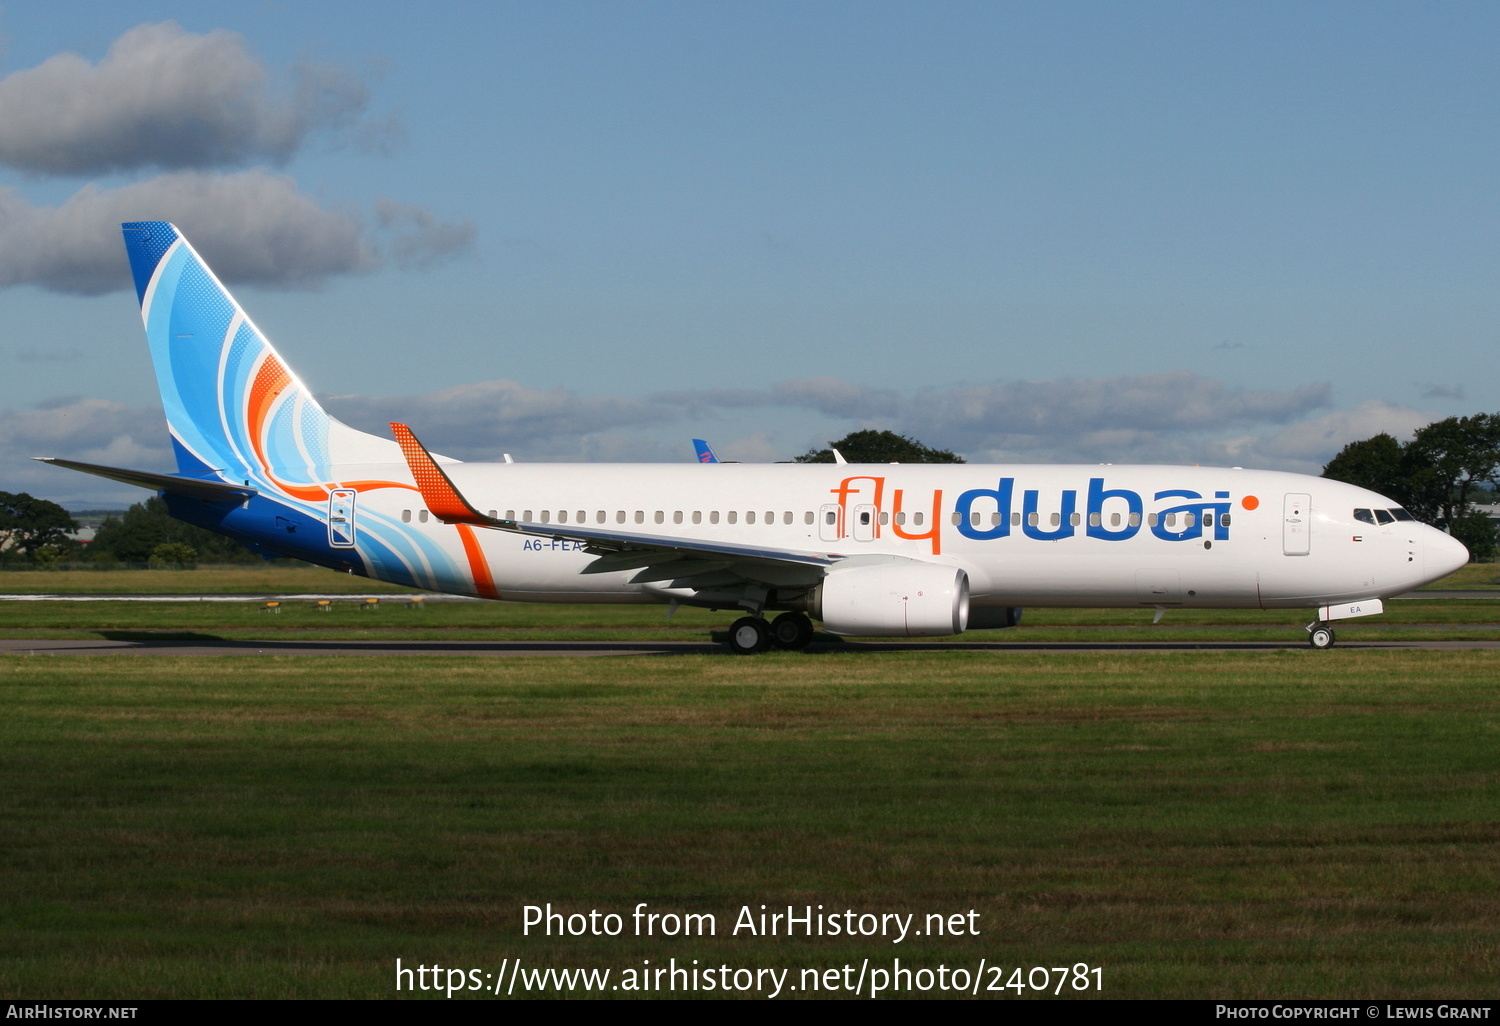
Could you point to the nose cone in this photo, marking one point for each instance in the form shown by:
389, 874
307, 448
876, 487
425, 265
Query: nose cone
1442, 554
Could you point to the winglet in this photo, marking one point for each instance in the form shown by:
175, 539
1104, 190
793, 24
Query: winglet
438, 492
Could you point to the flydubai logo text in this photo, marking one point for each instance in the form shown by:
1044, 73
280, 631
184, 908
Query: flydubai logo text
988, 514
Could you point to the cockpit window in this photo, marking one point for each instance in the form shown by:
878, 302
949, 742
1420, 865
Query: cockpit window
1383, 517
1364, 516
1400, 514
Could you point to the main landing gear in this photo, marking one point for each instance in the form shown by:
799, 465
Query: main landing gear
1320, 635
751, 634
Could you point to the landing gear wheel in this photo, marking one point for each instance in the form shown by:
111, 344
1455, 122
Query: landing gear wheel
791, 630
1320, 636
749, 635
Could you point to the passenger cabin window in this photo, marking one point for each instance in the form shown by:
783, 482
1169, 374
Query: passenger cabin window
1364, 516
697, 516
750, 517
640, 516
422, 516
713, 516
619, 516
406, 516
807, 518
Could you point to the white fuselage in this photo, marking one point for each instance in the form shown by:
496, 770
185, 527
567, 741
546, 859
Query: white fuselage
1026, 535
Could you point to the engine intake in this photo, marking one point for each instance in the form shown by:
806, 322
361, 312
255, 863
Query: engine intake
911, 600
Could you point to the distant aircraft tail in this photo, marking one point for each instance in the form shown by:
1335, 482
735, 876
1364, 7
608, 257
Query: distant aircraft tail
705, 453
233, 407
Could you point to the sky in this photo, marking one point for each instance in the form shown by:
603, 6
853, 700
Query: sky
1229, 233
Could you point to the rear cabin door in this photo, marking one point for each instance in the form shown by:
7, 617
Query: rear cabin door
341, 518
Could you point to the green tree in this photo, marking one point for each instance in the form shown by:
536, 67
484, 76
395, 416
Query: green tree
879, 447
27, 524
1377, 463
1476, 530
173, 555
133, 536
1447, 463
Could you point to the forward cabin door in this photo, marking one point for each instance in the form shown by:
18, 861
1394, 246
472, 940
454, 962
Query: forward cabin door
1296, 524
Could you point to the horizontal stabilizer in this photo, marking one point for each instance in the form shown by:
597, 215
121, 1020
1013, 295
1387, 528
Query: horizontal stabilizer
195, 487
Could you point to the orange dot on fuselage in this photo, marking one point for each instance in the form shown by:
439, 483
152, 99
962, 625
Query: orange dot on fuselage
1250, 502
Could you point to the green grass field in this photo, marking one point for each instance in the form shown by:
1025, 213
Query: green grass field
1197, 824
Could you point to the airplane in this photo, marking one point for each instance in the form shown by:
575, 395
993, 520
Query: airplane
705, 451
913, 550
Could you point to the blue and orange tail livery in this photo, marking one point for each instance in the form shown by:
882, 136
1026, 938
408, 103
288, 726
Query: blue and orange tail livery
233, 407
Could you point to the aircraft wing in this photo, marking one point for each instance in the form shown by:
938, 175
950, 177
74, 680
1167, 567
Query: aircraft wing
659, 557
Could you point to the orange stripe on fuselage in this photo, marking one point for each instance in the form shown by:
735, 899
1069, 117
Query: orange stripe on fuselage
484, 583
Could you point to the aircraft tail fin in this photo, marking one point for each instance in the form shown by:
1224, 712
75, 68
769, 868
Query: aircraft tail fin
704, 451
233, 406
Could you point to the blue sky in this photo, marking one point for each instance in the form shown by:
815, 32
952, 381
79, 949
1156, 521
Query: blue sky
1148, 232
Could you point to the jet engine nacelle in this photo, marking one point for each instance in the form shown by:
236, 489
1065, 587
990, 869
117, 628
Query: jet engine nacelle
907, 599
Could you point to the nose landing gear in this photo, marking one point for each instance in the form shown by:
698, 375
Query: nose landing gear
1320, 635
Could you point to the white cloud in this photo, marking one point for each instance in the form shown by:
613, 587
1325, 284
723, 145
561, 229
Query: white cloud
481, 421
487, 418
252, 226
166, 98
1308, 445
87, 430
419, 240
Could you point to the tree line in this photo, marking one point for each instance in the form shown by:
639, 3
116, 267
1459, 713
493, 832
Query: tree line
1439, 476
37, 532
